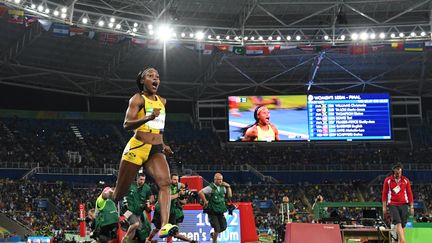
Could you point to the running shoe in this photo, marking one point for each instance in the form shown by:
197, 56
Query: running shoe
168, 230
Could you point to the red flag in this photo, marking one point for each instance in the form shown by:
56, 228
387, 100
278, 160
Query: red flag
398, 46
223, 47
16, 16
257, 50
307, 48
359, 49
3, 11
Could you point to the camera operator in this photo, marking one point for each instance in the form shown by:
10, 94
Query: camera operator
322, 212
214, 203
178, 199
135, 203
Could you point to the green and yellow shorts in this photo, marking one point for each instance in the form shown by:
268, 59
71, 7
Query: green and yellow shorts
138, 152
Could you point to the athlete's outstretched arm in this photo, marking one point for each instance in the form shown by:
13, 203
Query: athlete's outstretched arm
250, 134
136, 103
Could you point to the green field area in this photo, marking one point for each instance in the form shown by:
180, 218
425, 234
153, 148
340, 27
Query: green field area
418, 235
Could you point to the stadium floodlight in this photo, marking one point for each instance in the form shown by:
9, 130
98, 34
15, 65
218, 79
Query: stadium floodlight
288, 37
182, 34
63, 16
164, 32
227, 37
33, 6
372, 36
252, 38
278, 38
270, 38
151, 32
236, 38
17, 1
199, 35
342, 37
382, 35
191, 35
101, 23
209, 36
134, 29
393, 35
401, 35
118, 26
150, 26
84, 20
326, 37
40, 8
260, 38
363, 36
298, 37
135, 25
111, 25
47, 10
112, 20
245, 38
413, 34
64, 10
354, 36
217, 37
56, 13
423, 34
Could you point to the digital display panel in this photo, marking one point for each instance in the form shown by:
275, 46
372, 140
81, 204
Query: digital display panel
196, 226
286, 117
309, 117
349, 116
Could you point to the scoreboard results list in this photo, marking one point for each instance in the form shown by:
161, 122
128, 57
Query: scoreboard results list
349, 116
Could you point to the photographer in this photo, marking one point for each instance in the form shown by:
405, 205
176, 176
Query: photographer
178, 199
322, 213
135, 203
213, 197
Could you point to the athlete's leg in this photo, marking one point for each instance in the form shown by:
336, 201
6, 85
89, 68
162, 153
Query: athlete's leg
157, 167
126, 175
131, 232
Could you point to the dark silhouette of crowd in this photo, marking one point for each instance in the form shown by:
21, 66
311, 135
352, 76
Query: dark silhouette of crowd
95, 144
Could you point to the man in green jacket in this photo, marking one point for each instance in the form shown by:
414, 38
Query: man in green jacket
213, 197
178, 199
106, 217
134, 206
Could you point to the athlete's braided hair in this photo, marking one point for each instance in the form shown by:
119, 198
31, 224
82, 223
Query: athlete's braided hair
256, 111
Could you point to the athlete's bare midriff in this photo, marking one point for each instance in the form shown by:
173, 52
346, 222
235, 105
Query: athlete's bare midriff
149, 138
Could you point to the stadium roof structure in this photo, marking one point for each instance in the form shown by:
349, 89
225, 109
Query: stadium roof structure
327, 57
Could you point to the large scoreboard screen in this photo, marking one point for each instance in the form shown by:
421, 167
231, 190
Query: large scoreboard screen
349, 116
309, 117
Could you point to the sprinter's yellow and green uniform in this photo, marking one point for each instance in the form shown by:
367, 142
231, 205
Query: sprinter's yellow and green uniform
136, 151
264, 135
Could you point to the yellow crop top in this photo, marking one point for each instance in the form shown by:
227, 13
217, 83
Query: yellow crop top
268, 135
154, 126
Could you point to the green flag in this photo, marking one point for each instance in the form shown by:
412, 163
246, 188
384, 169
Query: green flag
239, 50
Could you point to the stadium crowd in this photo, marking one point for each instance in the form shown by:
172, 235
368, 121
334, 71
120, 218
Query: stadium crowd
54, 142
93, 144
21, 201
